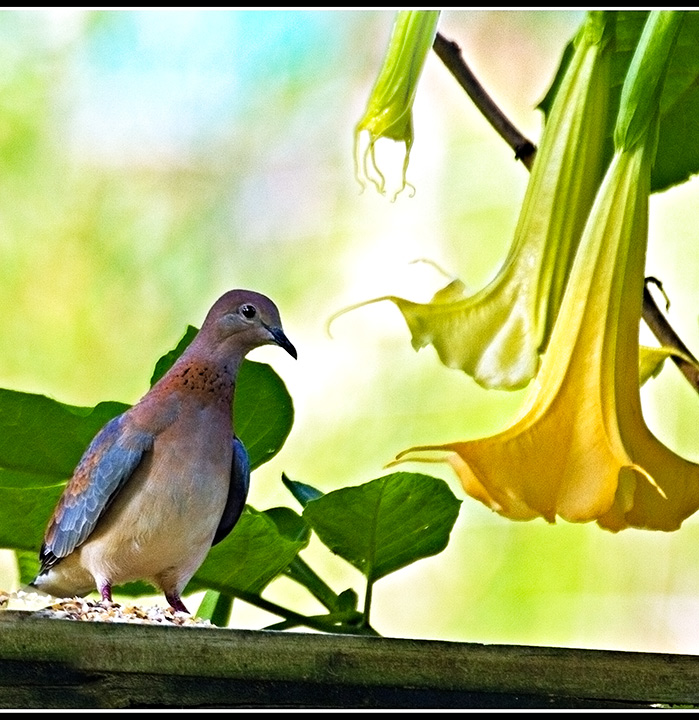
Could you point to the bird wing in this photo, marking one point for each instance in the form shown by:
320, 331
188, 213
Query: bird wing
237, 491
106, 465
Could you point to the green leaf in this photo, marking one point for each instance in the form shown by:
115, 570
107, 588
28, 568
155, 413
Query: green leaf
248, 559
41, 441
302, 492
28, 566
135, 588
387, 523
24, 514
677, 157
290, 524
263, 411
43, 438
216, 607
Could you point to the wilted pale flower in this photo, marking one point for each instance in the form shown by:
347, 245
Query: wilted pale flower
389, 112
580, 448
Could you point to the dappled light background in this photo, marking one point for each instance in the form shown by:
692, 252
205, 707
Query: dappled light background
152, 160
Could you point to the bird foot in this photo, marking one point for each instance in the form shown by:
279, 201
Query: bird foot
176, 603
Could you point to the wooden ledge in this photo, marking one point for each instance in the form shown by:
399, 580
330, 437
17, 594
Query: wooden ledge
48, 663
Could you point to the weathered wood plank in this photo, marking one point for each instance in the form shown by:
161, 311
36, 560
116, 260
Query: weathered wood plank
48, 663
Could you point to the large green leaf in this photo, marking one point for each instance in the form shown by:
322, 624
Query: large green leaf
27, 564
677, 156
42, 437
24, 513
249, 558
41, 441
678, 141
264, 412
387, 523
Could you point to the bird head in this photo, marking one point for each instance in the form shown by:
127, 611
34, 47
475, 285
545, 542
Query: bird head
241, 320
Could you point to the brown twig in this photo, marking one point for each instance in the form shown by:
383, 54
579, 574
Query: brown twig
450, 54
665, 334
525, 150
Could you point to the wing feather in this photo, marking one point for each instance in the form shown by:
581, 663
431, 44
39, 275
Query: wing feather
237, 491
106, 465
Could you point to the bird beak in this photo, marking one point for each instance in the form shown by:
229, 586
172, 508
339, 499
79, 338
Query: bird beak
282, 340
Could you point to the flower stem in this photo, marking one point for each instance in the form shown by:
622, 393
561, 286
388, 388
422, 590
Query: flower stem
450, 54
666, 335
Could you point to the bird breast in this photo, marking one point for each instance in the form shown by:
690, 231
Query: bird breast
168, 511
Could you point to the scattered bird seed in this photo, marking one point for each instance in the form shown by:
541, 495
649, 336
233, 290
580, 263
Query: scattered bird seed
85, 610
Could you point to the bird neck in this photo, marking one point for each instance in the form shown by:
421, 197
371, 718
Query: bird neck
203, 377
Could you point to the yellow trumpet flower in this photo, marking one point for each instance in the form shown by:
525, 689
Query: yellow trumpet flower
580, 448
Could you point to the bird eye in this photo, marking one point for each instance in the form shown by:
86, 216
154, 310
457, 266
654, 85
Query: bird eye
248, 311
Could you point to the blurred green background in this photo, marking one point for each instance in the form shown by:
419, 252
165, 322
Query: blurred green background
151, 160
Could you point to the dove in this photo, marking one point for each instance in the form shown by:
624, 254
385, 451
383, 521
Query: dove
163, 482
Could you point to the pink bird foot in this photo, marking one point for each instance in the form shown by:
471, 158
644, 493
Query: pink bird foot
176, 603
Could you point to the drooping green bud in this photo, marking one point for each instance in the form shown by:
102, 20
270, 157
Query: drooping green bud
389, 112
643, 84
